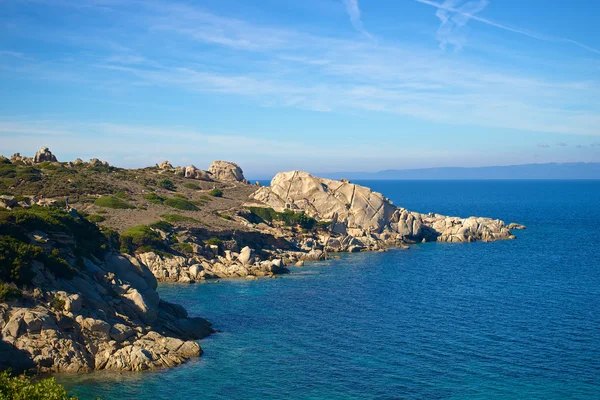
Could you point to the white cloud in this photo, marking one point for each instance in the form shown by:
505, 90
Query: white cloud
449, 7
353, 11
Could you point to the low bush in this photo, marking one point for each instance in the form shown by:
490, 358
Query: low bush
213, 241
121, 195
112, 202
154, 198
140, 236
192, 186
9, 292
181, 204
216, 192
174, 218
184, 247
25, 388
166, 184
288, 217
161, 225
180, 196
95, 218
57, 303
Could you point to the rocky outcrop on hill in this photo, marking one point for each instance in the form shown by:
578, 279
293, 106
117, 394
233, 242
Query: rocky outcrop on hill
164, 165
194, 173
226, 171
17, 157
95, 162
44, 155
359, 212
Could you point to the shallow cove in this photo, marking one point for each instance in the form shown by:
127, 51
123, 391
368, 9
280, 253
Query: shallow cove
514, 319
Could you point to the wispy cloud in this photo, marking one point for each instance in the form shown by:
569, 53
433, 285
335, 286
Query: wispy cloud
450, 6
353, 11
450, 31
543, 145
562, 144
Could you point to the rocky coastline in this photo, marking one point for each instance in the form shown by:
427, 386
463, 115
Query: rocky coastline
101, 310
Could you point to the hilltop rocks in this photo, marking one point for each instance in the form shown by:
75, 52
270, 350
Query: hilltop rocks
17, 157
94, 162
194, 173
358, 212
165, 165
44, 155
226, 172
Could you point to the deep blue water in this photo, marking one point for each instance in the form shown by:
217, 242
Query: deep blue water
505, 320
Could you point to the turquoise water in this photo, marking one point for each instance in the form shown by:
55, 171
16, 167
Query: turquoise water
506, 320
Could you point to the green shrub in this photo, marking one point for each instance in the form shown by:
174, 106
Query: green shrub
288, 217
166, 184
25, 388
112, 202
263, 213
95, 218
190, 185
101, 212
122, 195
141, 236
57, 303
180, 196
181, 204
173, 218
154, 198
205, 198
184, 247
213, 241
9, 292
216, 192
161, 225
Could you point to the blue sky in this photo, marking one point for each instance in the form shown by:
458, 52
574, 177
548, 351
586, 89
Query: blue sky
318, 85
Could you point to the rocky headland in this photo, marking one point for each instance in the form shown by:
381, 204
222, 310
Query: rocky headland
84, 245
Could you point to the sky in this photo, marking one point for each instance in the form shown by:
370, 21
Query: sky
316, 85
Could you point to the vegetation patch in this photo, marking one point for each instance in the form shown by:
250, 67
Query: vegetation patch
213, 241
288, 217
216, 192
180, 196
154, 198
192, 186
95, 218
121, 195
166, 184
161, 225
9, 291
181, 204
224, 216
23, 387
174, 218
112, 202
184, 247
140, 237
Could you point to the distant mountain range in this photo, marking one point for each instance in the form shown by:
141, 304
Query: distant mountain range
525, 171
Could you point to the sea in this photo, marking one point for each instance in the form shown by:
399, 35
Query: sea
514, 319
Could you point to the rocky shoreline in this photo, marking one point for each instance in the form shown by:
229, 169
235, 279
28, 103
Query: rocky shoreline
99, 309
